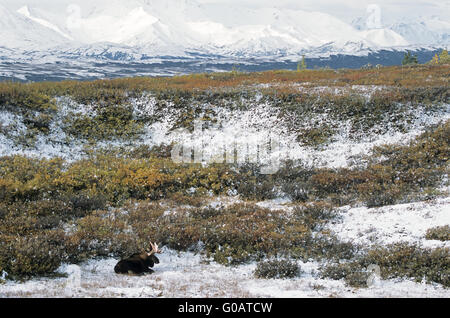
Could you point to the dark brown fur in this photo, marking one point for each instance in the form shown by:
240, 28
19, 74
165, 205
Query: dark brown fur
138, 264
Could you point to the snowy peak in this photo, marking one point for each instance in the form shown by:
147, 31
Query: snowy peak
178, 26
415, 31
109, 28
19, 31
384, 38
25, 11
424, 31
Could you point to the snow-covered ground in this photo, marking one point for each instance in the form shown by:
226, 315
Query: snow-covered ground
392, 224
236, 129
188, 275
185, 274
261, 122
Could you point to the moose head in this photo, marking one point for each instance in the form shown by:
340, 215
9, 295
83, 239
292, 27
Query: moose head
139, 263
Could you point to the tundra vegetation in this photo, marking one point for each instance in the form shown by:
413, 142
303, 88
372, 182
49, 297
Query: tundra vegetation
114, 200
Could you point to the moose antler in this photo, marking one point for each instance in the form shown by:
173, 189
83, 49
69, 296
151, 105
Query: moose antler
154, 250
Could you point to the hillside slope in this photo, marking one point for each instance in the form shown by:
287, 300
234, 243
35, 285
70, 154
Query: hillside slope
273, 184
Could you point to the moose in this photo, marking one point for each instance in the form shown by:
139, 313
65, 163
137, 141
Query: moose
139, 263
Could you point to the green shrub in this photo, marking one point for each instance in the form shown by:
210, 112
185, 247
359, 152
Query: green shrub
84, 203
314, 215
145, 151
376, 195
108, 122
396, 261
402, 260
441, 233
36, 110
296, 190
328, 247
315, 136
253, 185
238, 233
278, 269
32, 255
31, 217
353, 275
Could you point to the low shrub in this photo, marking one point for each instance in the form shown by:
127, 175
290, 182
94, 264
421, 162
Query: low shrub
296, 190
441, 233
314, 215
30, 255
144, 151
396, 260
315, 136
328, 247
353, 275
251, 184
235, 234
102, 234
82, 203
110, 121
403, 260
277, 269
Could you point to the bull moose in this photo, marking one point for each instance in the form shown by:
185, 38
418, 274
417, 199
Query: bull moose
139, 263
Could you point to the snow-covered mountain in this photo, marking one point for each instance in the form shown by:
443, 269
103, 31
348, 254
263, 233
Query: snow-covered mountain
135, 28
426, 31
19, 31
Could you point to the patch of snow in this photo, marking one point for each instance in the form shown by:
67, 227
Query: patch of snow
187, 275
242, 129
392, 224
255, 125
26, 12
276, 204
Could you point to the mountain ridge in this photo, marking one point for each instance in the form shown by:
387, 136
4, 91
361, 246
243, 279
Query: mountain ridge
179, 37
178, 27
